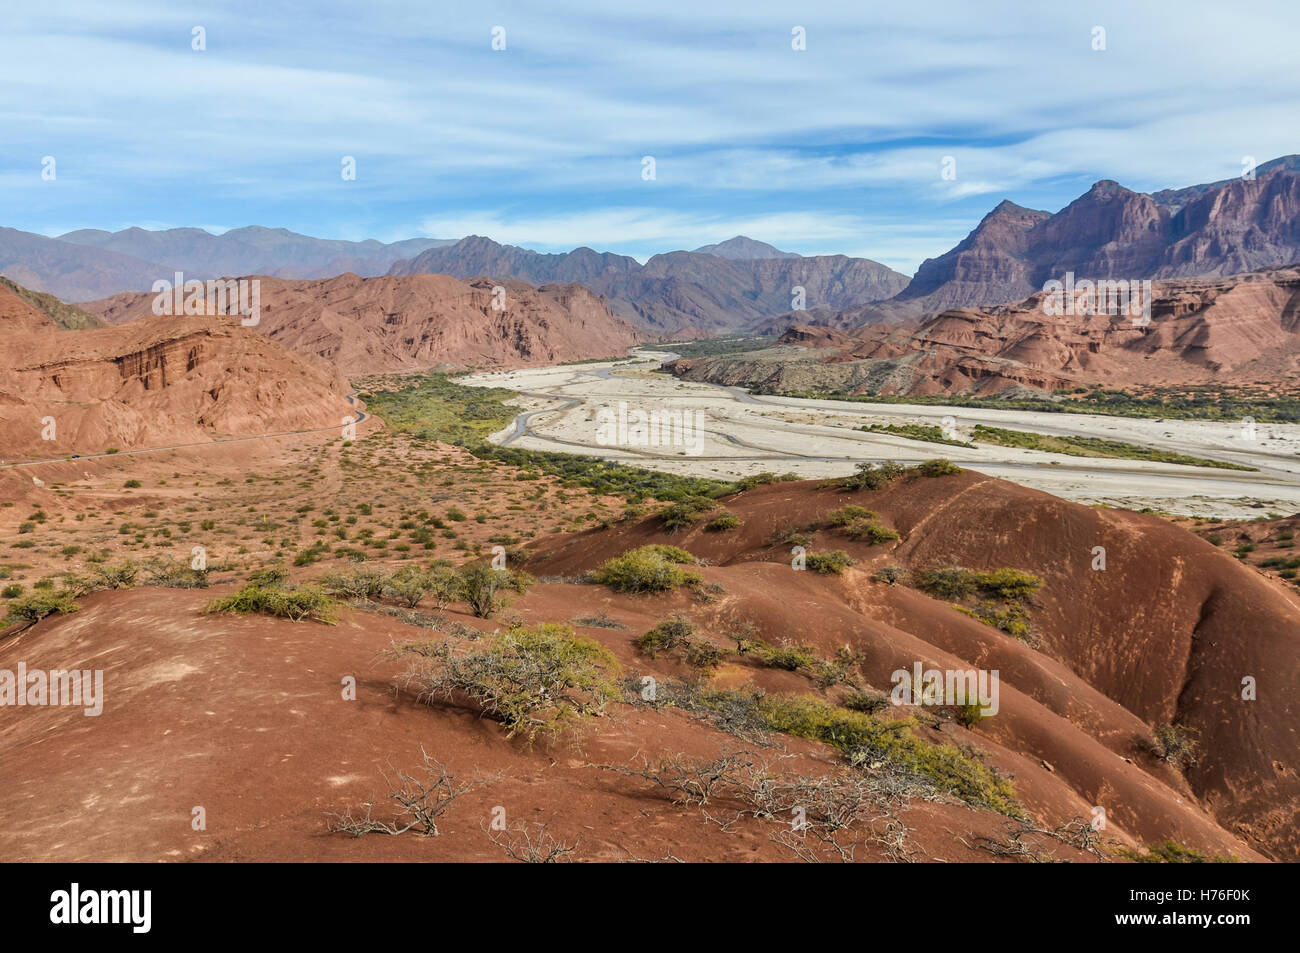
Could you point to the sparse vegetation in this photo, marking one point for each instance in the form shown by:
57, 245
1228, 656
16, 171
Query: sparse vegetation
833, 562
1091, 447
647, 569
926, 432
37, 606
296, 605
536, 680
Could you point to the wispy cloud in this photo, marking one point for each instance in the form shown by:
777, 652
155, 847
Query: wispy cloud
835, 148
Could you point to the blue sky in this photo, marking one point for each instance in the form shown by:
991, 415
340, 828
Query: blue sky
834, 149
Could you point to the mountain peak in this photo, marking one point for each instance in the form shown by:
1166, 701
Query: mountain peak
742, 248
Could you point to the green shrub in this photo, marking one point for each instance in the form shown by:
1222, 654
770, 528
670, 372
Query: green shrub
828, 563
364, 582
872, 742
668, 636
1011, 619
870, 531
788, 657
174, 574
686, 513
1176, 744
483, 588
1009, 583
872, 476
954, 582
1173, 852
12, 591
723, 522
535, 680
409, 585
35, 607
306, 602
937, 468
26, 527
120, 576
891, 574
848, 514
132, 484
646, 569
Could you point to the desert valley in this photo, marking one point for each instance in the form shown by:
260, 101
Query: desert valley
409, 539
759, 435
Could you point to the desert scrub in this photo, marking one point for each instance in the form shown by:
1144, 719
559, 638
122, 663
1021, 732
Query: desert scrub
119, 576
936, 468
647, 569
686, 513
1175, 744
788, 536
174, 574
723, 522
1011, 618
668, 636
536, 680
892, 575
875, 744
364, 582
869, 531
676, 636
872, 476
36, 606
305, 602
791, 658
1091, 447
927, 432
484, 589
954, 582
1173, 852
12, 591
829, 563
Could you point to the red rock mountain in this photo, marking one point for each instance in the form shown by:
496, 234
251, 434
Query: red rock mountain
159, 382
1239, 329
1222, 228
390, 323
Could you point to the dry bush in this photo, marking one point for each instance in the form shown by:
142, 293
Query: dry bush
535, 845
422, 800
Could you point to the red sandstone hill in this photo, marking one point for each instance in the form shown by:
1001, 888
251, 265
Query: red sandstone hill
244, 715
368, 325
1239, 329
158, 382
1165, 633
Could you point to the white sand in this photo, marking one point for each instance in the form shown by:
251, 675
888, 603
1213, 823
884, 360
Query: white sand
740, 435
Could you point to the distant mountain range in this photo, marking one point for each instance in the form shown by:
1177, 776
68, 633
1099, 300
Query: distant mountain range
681, 293
89, 264
1220, 228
